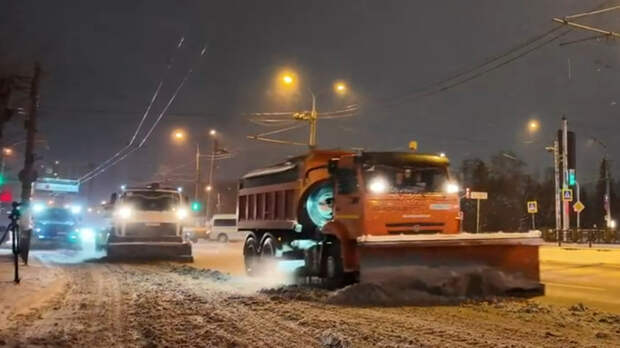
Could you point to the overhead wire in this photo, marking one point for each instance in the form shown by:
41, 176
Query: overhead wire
146, 111
438, 86
474, 68
86, 178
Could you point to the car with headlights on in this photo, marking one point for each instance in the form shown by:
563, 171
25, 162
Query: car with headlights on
57, 227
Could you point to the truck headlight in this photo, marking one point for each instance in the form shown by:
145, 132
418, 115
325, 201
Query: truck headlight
451, 187
38, 207
87, 234
378, 185
182, 213
125, 212
76, 209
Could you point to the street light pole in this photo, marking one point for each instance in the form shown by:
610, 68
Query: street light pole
607, 198
197, 185
555, 150
607, 190
313, 121
565, 216
211, 170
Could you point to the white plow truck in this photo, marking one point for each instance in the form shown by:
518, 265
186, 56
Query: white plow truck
147, 222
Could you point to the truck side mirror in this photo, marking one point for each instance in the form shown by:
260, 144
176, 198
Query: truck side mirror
332, 166
346, 181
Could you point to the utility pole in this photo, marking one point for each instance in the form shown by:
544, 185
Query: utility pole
565, 204
5, 112
555, 149
211, 170
197, 184
578, 198
313, 125
607, 191
28, 174
477, 216
607, 198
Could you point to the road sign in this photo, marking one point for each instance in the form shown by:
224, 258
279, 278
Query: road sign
57, 185
567, 195
578, 207
478, 195
532, 207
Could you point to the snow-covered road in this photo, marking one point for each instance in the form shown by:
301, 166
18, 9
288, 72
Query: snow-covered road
93, 303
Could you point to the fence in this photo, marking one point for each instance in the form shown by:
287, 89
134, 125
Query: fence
589, 236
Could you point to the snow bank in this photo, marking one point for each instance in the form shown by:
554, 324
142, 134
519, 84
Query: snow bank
433, 286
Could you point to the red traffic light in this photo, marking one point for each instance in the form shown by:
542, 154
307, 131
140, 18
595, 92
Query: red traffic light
6, 196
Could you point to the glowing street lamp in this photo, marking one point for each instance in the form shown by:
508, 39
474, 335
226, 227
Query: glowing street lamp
179, 135
287, 79
340, 87
533, 126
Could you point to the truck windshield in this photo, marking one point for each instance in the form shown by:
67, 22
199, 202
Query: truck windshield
151, 200
407, 178
55, 215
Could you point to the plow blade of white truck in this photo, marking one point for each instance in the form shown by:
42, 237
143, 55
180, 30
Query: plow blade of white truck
506, 262
150, 251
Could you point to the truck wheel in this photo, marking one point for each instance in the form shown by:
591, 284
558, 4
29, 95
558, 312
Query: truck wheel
268, 250
250, 255
267, 253
222, 238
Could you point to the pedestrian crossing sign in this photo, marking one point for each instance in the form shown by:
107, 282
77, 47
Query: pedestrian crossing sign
532, 207
567, 194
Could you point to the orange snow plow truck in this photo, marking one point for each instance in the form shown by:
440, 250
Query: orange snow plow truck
348, 216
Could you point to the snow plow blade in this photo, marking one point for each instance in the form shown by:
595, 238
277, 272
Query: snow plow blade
509, 259
149, 251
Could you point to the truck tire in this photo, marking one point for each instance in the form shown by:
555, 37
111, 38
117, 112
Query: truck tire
268, 248
250, 255
267, 254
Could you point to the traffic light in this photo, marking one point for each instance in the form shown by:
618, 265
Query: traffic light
1, 179
196, 206
6, 196
571, 177
571, 157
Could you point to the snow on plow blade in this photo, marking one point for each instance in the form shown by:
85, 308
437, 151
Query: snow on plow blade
150, 251
499, 263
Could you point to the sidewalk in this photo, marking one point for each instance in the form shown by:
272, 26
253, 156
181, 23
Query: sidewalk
38, 284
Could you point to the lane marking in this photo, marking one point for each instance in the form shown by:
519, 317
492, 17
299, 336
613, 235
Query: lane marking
574, 286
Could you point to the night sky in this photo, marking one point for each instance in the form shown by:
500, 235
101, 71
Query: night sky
104, 59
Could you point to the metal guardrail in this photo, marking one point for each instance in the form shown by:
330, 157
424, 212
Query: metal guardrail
582, 236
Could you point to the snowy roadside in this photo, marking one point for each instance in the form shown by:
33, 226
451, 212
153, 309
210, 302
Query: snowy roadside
39, 283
